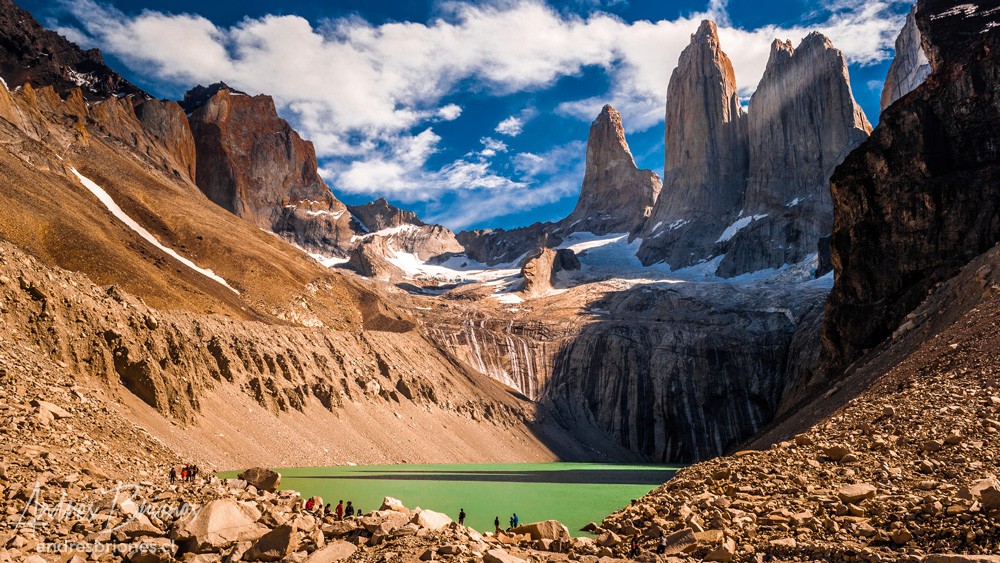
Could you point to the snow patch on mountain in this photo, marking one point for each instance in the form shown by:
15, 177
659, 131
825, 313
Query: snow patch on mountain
117, 211
738, 226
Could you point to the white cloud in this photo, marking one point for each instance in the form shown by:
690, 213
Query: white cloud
491, 147
512, 126
365, 94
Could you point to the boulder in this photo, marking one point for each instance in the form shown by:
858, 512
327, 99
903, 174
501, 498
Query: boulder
853, 494
723, 553
990, 498
389, 503
218, 524
430, 519
547, 530
680, 541
274, 545
332, 552
261, 478
498, 555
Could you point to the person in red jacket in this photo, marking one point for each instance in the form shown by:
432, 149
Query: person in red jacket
340, 510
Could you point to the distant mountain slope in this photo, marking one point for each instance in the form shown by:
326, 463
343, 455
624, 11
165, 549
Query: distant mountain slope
31, 54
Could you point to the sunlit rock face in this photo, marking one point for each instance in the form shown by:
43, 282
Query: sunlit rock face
909, 67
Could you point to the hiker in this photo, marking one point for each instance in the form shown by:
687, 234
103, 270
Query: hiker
461, 517
340, 510
173, 475
310, 504
349, 509
184, 474
496, 524
513, 521
327, 511
634, 549
661, 547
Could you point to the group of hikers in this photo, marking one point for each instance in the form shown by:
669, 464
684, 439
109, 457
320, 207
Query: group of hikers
512, 521
187, 474
341, 511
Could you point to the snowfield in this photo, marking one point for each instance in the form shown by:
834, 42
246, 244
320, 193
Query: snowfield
117, 211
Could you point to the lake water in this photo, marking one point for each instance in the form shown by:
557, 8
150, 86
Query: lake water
573, 493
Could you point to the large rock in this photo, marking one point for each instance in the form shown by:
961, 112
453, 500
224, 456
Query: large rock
909, 67
220, 523
252, 163
616, 196
274, 545
332, 552
705, 168
547, 530
498, 555
541, 268
919, 199
802, 123
430, 519
261, 478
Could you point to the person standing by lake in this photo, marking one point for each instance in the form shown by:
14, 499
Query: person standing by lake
513, 520
340, 510
461, 517
349, 509
496, 524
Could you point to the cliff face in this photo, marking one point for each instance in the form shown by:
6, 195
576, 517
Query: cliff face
616, 196
802, 123
683, 374
919, 199
166, 121
253, 164
705, 169
909, 66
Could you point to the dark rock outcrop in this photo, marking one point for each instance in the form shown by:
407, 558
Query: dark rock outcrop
802, 123
705, 167
616, 196
910, 67
31, 54
253, 164
920, 198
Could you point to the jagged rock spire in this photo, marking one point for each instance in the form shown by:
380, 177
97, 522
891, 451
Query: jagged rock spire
616, 195
909, 67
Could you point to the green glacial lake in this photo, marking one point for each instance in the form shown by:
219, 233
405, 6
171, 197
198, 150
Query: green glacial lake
573, 493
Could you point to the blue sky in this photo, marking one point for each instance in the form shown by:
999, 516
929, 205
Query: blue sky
473, 114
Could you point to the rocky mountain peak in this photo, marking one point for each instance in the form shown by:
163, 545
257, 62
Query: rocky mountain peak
200, 95
910, 65
705, 164
379, 214
616, 196
254, 164
31, 54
